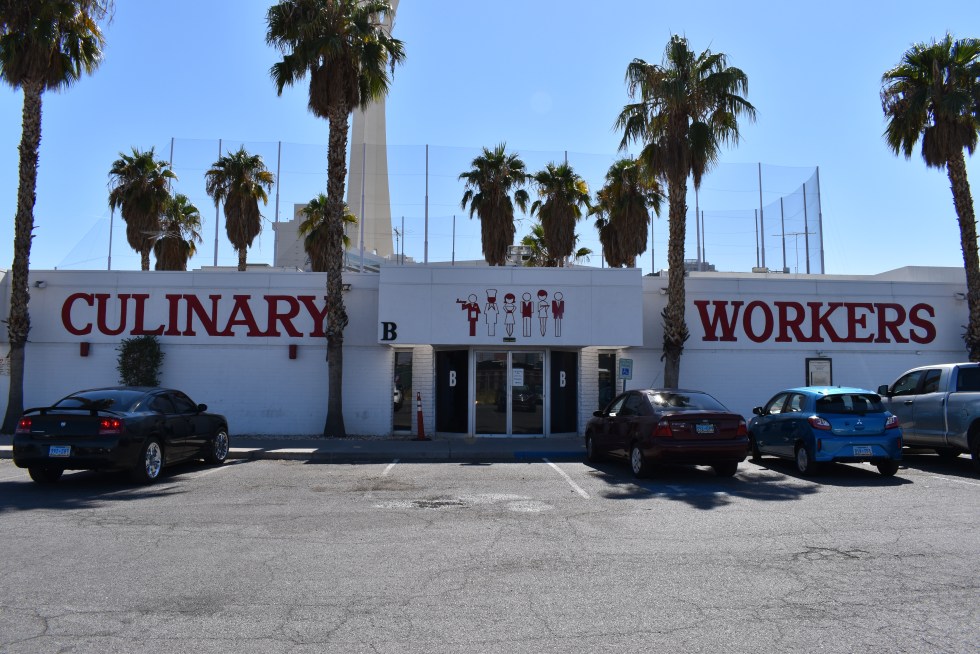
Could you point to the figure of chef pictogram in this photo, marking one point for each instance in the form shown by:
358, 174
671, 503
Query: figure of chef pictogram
543, 308
472, 308
558, 311
490, 312
509, 308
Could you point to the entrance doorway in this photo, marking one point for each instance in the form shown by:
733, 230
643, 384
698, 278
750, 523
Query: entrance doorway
509, 393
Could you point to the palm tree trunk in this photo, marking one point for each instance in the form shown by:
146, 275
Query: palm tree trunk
145, 258
963, 202
19, 321
336, 312
242, 259
675, 328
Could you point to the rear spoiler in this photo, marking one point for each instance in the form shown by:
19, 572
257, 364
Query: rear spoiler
94, 411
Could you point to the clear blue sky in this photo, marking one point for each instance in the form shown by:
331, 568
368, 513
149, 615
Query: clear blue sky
546, 76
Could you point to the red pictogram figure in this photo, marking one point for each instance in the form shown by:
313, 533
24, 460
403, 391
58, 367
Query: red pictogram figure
558, 311
543, 308
527, 309
491, 311
472, 309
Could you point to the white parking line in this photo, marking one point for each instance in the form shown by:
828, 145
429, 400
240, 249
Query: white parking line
575, 487
226, 466
17, 475
390, 466
960, 481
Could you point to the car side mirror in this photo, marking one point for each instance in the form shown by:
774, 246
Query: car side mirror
883, 390
757, 410
597, 414
201, 408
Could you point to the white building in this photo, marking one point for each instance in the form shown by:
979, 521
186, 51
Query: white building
490, 351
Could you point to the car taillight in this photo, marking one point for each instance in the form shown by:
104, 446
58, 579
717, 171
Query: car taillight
24, 426
892, 422
743, 430
818, 423
663, 430
110, 427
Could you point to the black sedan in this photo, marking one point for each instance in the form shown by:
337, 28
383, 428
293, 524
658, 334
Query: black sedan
652, 426
136, 429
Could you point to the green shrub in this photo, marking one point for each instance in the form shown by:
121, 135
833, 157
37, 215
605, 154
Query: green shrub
140, 359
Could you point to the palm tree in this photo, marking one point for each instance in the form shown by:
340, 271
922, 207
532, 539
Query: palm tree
686, 109
139, 185
179, 234
540, 255
489, 185
624, 204
44, 45
348, 52
316, 231
240, 180
564, 196
934, 93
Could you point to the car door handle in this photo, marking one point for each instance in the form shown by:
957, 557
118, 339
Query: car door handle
908, 403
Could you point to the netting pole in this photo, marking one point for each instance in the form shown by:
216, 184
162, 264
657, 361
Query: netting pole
762, 224
426, 249
806, 232
217, 219
782, 229
820, 222
697, 225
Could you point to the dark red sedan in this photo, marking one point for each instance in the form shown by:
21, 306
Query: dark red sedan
652, 426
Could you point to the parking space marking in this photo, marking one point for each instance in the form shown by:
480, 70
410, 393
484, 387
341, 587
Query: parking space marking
226, 466
960, 481
17, 475
390, 466
575, 487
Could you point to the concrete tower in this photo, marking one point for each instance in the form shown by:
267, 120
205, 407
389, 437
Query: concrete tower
367, 178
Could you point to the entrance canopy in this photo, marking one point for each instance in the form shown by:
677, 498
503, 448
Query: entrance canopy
551, 307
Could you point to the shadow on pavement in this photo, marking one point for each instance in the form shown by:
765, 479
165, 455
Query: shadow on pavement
961, 466
84, 489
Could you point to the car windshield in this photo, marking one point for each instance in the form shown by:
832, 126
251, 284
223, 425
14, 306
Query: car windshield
115, 399
859, 403
684, 401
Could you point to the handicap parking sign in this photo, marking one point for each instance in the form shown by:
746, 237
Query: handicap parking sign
626, 368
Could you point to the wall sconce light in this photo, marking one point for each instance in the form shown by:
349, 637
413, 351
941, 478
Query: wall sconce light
959, 296
663, 290
345, 288
40, 284
83, 348
821, 353
292, 350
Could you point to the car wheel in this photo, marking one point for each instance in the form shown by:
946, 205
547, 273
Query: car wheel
754, 449
804, 462
45, 475
638, 463
590, 452
975, 453
887, 468
947, 453
727, 469
150, 462
218, 450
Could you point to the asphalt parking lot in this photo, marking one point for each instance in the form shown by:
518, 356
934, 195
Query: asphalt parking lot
534, 556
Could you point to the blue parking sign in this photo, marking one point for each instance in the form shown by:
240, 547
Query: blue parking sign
626, 368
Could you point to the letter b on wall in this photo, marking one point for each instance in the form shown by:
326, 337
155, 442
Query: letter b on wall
389, 331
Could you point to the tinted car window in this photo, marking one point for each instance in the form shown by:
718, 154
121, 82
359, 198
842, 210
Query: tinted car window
931, 383
856, 403
668, 401
183, 403
616, 405
968, 379
115, 399
636, 405
907, 384
161, 404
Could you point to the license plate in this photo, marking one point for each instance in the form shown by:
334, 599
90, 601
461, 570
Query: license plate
862, 450
704, 429
59, 450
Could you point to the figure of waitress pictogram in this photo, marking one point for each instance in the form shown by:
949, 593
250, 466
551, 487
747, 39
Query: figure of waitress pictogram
509, 308
543, 308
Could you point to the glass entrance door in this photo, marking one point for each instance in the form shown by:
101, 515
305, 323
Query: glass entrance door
509, 389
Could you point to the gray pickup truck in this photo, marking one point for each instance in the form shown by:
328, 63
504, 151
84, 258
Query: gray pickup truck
939, 408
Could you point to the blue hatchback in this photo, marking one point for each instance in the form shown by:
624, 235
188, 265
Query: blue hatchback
822, 424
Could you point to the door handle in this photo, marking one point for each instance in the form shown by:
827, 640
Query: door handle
908, 403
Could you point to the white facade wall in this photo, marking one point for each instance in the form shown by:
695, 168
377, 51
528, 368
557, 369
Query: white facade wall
252, 380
